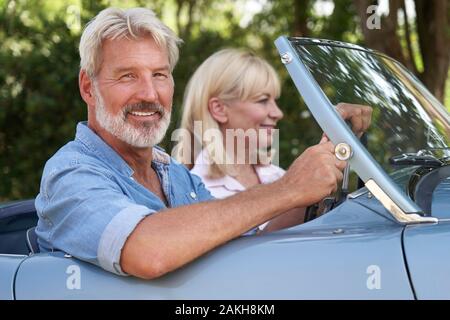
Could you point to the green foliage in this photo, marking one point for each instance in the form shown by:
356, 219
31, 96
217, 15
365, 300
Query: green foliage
30, 95
39, 98
40, 102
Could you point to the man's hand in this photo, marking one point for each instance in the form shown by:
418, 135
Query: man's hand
313, 175
360, 116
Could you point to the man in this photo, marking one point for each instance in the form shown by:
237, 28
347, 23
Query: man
113, 199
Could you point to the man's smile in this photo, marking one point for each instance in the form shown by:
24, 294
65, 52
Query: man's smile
145, 116
136, 113
153, 114
144, 111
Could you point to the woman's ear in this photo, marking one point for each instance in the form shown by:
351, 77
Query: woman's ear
218, 110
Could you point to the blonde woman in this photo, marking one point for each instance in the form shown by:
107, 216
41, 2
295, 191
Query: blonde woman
231, 93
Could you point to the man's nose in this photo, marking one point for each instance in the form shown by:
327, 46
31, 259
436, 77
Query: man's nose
275, 111
147, 90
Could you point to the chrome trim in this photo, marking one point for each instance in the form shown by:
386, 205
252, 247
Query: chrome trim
346, 178
357, 193
338, 231
343, 151
286, 58
394, 209
13, 255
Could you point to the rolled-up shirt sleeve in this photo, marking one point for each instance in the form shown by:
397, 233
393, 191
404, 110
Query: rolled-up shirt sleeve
115, 235
83, 212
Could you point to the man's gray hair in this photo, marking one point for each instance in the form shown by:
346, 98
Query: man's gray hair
115, 23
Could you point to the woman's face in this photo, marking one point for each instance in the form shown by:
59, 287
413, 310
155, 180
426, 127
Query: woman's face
257, 116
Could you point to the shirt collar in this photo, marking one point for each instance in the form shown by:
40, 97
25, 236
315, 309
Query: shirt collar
96, 145
228, 182
201, 168
268, 173
159, 155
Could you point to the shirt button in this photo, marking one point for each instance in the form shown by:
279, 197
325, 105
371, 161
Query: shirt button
193, 195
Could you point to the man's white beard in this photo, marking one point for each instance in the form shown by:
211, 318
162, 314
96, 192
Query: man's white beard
146, 135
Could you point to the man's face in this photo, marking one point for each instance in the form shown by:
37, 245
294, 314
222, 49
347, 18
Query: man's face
133, 91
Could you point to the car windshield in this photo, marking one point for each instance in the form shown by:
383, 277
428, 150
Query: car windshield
406, 117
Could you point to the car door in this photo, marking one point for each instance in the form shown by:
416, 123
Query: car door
352, 252
9, 264
427, 249
428, 257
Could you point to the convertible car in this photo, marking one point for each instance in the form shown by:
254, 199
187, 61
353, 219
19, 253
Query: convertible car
387, 237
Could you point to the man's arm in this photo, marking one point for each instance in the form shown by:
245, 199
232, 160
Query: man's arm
168, 240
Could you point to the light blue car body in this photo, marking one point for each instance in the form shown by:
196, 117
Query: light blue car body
329, 257
358, 250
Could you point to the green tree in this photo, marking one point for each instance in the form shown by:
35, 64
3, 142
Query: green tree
399, 35
38, 96
39, 63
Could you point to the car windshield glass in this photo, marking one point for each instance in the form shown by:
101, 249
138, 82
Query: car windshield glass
406, 117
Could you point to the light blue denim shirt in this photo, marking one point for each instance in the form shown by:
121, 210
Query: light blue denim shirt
89, 203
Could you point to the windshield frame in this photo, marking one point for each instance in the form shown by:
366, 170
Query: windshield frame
379, 183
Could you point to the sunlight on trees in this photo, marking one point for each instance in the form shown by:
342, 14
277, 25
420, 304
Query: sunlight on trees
39, 99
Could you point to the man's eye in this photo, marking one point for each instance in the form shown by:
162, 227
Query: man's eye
127, 76
160, 75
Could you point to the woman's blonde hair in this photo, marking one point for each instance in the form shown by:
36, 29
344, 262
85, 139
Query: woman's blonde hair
115, 23
229, 74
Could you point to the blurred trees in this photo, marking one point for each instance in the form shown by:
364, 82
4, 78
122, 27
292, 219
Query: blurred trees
430, 28
39, 100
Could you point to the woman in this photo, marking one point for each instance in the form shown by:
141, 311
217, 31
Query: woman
233, 92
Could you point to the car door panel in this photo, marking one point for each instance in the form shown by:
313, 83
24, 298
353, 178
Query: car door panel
9, 264
428, 259
332, 260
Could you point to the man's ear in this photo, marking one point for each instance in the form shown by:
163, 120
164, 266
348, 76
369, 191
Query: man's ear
218, 110
86, 88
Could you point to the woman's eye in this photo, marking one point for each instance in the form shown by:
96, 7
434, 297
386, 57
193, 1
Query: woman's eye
263, 100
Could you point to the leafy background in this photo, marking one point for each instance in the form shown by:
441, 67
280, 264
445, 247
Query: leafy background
39, 99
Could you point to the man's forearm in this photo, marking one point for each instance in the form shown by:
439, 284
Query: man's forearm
169, 239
